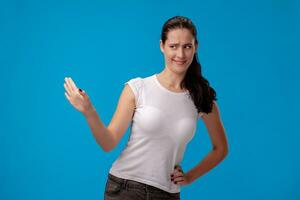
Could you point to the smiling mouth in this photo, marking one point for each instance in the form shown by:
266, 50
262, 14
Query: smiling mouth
180, 62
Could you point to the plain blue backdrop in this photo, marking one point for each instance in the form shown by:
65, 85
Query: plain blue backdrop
248, 51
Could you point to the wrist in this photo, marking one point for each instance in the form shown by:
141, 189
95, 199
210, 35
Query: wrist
89, 112
189, 178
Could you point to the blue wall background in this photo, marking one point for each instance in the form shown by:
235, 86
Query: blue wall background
248, 51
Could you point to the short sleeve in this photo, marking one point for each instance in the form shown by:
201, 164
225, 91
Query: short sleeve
136, 84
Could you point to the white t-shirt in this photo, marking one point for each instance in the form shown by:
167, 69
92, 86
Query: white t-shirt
163, 123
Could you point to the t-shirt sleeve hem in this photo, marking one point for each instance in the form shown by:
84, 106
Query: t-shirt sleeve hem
134, 84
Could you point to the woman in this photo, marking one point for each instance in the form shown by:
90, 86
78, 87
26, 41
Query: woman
164, 109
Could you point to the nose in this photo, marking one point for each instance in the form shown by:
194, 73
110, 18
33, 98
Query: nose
180, 53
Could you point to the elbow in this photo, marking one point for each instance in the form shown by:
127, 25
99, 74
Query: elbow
107, 149
225, 152
107, 146
222, 150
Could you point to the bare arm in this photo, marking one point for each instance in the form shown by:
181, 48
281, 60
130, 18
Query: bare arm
218, 138
108, 137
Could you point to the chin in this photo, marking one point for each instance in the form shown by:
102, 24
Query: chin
179, 70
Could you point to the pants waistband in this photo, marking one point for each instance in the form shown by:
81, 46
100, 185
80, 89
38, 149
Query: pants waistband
127, 183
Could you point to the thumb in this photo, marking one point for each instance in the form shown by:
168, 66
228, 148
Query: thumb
178, 167
82, 92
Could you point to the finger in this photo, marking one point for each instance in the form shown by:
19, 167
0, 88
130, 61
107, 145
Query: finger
81, 91
73, 91
180, 182
69, 86
176, 170
178, 179
179, 174
68, 89
176, 174
179, 169
84, 94
73, 84
67, 96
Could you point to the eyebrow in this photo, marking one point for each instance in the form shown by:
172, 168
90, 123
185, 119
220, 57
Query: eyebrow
178, 43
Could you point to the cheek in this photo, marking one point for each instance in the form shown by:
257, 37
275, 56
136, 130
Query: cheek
190, 57
169, 56
190, 54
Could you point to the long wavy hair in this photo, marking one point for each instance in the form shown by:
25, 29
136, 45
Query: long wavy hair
200, 91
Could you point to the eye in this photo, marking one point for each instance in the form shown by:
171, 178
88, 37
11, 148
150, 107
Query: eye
188, 46
172, 46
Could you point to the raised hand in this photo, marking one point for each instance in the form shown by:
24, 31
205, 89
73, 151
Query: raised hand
77, 97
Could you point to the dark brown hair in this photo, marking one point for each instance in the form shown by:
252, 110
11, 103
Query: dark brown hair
200, 91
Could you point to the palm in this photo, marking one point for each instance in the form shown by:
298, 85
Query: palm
72, 93
78, 102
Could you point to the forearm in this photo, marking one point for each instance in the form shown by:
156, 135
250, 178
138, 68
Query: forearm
100, 132
209, 162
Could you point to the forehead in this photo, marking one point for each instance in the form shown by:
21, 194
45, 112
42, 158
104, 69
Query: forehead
180, 35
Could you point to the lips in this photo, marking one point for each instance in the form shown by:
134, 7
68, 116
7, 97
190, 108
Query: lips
179, 62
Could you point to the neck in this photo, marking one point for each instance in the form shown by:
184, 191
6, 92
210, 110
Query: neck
171, 79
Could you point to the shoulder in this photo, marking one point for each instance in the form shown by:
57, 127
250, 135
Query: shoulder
138, 82
135, 84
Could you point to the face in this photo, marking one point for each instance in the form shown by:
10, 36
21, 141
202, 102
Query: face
179, 50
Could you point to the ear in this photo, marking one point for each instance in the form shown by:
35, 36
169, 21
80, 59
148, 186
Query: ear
161, 45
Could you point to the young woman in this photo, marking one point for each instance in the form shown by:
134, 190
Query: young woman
164, 109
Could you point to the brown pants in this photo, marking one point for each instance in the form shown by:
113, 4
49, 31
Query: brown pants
122, 189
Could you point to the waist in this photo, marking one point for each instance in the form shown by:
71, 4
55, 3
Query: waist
127, 183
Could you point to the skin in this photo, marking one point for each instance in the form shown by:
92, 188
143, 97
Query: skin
179, 46
170, 77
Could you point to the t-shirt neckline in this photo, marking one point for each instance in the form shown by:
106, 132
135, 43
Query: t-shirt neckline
165, 89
